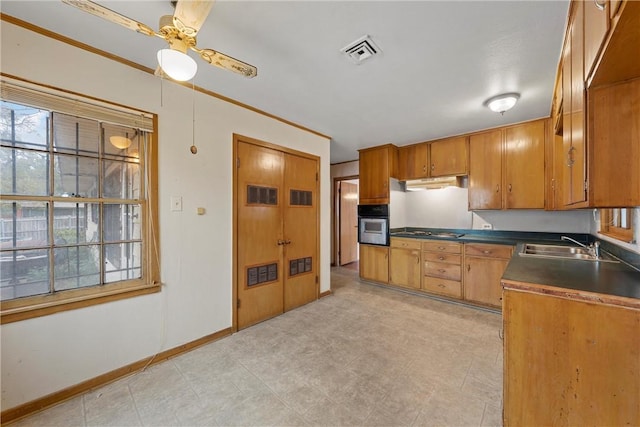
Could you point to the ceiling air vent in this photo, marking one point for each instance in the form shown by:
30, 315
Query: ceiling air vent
361, 49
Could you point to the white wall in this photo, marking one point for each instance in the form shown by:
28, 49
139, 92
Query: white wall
447, 208
47, 354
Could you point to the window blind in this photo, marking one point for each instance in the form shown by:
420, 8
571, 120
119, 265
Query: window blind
63, 102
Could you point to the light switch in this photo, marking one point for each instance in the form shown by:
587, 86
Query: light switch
176, 204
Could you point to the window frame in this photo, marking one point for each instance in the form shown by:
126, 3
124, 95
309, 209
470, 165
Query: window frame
149, 282
607, 228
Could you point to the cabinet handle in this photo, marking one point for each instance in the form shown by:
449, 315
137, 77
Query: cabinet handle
424, 168
442, 270
441, 248
280, 242
417, 260
441, 258
497, 188
487, 252
468, 267
599, 6
441, 286
570, 159
433, 167
509, 188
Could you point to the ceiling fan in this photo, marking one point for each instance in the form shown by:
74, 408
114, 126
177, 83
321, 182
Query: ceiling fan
180, 32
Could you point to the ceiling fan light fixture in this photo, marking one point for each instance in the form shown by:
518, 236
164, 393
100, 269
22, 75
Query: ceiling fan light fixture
120, 142
502, 103
177, 65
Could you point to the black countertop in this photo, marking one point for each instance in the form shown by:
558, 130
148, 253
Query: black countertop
617, 279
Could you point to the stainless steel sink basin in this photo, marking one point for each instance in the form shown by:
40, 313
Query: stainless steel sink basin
565, 252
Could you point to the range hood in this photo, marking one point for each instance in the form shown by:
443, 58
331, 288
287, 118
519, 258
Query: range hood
433, 183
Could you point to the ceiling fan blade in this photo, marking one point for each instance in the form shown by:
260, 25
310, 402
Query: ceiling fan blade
110, 15
190, 15
228, 63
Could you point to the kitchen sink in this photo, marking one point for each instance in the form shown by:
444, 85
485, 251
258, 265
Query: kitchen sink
564, 252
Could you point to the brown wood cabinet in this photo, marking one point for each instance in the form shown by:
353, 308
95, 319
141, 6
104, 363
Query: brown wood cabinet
413, 161
484, 266
507, 167
374, 263
442, 273
596, 26
614, 128
450, 156
377, 165
404, 264
569, 362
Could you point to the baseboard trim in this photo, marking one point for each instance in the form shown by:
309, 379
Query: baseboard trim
325, 293
52, 399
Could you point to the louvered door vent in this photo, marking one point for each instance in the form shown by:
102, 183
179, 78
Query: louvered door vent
360, 50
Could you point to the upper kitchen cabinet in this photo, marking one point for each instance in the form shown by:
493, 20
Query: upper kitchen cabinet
600, 157
413, 161
377, 165
450, 157
507, 167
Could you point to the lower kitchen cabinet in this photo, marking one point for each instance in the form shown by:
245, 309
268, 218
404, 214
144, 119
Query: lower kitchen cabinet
484, 266
569, 361
441, 268
374, 263
404, 265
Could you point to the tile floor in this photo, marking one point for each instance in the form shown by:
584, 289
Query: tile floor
365, 356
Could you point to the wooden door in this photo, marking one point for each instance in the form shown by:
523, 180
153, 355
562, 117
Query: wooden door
404, 267
374, 176
300, 221
348, 234
449, 157
413, 161
259, 230
482, 280
374, 263
485, 170
524, 166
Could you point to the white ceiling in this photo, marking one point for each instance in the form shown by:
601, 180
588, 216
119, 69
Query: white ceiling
441, 60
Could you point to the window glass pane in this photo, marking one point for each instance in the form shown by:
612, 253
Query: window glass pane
75, 176
24, 172
624, 218
121, 222
122, 261
23, 126
121, 141
24, 273
75, 135
76, 267
23, 224
121, 180
75, 223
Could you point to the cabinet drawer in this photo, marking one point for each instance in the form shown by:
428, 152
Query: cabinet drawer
487, 250
445, 257
442, 246
446, 287
442, 270
397, 242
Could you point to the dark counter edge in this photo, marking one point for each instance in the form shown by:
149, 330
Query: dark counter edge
515, 237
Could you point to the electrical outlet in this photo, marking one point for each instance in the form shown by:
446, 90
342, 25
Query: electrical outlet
487, 227
176, 204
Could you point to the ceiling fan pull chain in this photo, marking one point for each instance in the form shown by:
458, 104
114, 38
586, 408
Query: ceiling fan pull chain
193, 147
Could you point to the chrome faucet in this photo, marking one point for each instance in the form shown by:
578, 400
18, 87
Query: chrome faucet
594, 248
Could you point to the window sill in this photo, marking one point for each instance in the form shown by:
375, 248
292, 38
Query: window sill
44, 308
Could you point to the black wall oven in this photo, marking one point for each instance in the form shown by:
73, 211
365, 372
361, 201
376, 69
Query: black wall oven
373, 224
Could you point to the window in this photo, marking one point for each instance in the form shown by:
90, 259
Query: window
77, 224
617, 223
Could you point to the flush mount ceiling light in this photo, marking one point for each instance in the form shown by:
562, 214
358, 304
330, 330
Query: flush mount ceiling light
177, 65
502, 103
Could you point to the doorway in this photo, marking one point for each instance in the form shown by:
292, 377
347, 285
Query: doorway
346, 222
276, 229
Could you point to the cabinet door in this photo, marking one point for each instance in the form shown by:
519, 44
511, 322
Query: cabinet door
596, 25
374, 176
485, 170
404, 267
576, 154
374, 263
449, 157
561, 156
413, 161
482, 280
524, 166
